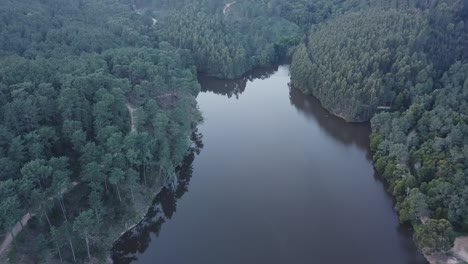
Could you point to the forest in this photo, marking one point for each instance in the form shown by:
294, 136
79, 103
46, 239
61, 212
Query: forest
423, 154
96, 113
98, 104
228, 39
402, 65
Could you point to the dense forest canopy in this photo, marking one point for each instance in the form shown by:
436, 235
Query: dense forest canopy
95, 112
380, 54
228, 39
231, 43
423, 154
357, 59
98, 102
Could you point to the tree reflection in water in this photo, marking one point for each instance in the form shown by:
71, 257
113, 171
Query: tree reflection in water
137, 239
237, 86
344, 132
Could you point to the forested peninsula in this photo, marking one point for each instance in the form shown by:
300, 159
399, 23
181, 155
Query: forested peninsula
98, 104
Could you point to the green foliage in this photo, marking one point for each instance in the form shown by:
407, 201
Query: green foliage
97, 100
227, 45
434, 139
229, 38
414, 207
69, 73
379, 55
435, 236
360, 61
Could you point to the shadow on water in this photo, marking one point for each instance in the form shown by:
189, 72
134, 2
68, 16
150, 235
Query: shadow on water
350, 133
309, 106
137, 239
234, 87
347, 133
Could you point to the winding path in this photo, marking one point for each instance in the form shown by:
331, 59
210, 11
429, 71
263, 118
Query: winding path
140, 12
19, 226
16, 230
227, 6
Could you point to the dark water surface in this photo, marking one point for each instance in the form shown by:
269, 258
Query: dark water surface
278, 180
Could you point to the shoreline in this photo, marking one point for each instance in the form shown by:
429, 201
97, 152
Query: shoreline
458, 254
108, 257
459, 251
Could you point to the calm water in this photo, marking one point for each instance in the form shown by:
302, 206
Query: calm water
278, 180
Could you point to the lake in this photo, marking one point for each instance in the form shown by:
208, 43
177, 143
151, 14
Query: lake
277, 180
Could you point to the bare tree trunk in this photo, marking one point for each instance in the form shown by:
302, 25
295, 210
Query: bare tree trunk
62, 206
47, 218
144, 174
59, 252
87, 246
133, 197
72, 250
105, 184
118, 192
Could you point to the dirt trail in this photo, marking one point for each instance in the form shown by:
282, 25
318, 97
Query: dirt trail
140, 12
459, 253
132, 110
16, 230
227, 6
18, 227
461, 248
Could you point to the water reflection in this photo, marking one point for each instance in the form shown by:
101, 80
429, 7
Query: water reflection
234, 87
345, 132
137, 240
309, 106
314, 201
348, 133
